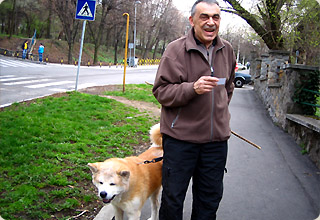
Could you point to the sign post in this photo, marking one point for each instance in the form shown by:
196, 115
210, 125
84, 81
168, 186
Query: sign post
125, 53
85, 11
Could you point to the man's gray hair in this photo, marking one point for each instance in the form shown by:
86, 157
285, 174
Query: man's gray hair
211, 2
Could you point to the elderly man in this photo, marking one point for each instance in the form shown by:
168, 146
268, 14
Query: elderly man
194, 85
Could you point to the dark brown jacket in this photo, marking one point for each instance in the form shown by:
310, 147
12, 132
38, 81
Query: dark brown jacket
185, 115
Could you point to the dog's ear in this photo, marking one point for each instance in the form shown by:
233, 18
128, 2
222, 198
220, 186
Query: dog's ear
93, 167
124, 174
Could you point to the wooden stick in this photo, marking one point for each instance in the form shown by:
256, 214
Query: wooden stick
77, 216
246, 140
151, 84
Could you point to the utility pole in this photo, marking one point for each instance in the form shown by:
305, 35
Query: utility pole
135, 31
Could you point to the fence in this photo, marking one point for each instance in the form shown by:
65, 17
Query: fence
311, 104
35, 57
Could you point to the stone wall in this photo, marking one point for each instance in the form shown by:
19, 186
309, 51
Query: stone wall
274, 82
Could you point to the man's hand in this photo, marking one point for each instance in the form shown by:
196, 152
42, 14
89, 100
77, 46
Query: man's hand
205, 84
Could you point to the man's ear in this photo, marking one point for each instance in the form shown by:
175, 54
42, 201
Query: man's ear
191, 21
93, 167
124, 174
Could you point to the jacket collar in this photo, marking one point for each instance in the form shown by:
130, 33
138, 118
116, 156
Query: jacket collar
192, 42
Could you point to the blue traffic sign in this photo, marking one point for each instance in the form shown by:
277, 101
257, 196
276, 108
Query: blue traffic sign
86, 10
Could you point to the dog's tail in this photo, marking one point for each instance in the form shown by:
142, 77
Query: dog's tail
155, 135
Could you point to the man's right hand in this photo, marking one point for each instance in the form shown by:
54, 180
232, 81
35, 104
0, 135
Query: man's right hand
205, 84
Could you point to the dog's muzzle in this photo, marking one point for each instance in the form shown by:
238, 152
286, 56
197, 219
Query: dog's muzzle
103, 195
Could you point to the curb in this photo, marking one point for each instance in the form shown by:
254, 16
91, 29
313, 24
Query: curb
23, 60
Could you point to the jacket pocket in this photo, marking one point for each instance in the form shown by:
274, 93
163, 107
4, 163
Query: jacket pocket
176, 118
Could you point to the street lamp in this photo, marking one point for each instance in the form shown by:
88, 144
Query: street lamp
135, 30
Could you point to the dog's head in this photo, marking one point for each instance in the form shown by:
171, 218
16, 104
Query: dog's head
109, 181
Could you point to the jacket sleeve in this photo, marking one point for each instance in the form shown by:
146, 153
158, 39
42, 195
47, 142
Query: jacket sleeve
171, 86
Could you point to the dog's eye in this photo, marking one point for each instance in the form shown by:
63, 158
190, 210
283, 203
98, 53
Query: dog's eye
112, 184
101, 183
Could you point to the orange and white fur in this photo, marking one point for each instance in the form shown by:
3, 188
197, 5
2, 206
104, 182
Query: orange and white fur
127, 183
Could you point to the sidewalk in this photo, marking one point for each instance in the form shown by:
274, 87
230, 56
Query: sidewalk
275, 183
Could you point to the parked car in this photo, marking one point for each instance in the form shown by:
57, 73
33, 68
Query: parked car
241, 79
241, 66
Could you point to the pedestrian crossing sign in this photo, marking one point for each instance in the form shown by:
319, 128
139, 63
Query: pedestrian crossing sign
86, 9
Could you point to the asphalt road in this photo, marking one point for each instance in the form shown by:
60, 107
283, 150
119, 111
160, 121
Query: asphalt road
23, 80
275, 183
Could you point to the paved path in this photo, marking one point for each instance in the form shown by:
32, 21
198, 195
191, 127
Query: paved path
275, 183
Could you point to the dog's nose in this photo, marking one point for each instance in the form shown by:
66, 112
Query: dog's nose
103, 194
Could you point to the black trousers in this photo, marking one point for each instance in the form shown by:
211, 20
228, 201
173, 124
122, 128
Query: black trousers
206, 164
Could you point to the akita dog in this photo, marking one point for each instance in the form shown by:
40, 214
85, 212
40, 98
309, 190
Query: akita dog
128, 182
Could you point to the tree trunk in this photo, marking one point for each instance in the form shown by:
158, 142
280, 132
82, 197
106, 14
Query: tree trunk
96, 50
48, 34
70, 44
115, 61
155, 49
13, 18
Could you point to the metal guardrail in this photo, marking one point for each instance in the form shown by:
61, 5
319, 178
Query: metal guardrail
18, 53
306, 103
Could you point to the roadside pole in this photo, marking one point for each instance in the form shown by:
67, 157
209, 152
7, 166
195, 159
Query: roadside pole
125, 54
85, 11
80, 53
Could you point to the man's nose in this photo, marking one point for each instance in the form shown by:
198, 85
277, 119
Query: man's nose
211, 21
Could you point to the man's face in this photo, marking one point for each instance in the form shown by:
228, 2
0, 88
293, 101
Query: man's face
206, 22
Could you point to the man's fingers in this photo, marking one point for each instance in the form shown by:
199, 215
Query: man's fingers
205, 84
211, 79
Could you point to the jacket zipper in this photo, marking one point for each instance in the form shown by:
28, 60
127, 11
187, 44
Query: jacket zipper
212, 107
176, 118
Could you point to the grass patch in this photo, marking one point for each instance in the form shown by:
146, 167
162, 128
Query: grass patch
139, 92
46, 145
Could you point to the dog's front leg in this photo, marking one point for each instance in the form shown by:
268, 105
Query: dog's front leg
118, 213
134, 216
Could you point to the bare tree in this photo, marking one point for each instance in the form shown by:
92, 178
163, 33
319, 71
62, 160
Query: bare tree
49, 20
65, 9
267, 25
12, 20
97, 28
161, 22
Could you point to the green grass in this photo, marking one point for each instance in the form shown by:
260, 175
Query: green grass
46, 145
140, 92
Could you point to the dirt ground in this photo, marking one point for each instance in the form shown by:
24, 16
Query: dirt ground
141, 106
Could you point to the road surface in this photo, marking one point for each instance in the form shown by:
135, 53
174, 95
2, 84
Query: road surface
23, 80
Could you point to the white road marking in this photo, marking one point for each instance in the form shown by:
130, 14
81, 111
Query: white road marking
6, 76
49, 84
16, 78
25, 82
17, 63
